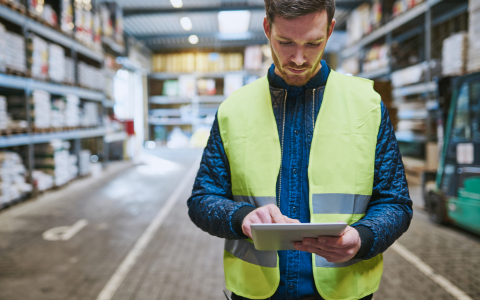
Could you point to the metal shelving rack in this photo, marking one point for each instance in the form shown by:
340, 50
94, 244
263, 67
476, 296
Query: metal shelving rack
27, 85
416, 22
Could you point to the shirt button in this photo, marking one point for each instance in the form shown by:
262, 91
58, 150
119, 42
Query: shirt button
296, 131
295, 171
294, 209
291, 286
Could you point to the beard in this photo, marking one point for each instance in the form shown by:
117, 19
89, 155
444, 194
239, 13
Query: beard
293, 79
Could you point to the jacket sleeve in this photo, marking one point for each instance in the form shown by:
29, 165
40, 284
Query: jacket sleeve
211, 206
390, 210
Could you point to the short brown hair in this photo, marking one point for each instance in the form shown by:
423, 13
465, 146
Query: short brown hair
290, 9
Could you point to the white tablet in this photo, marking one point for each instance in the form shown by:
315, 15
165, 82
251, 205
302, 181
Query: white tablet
282, 236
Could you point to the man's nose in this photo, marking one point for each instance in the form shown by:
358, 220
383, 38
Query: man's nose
298, 57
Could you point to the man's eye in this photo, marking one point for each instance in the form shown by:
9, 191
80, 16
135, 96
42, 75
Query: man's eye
285, 43
314, 45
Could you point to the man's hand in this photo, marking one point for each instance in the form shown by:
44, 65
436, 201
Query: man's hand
265, 214
333, 249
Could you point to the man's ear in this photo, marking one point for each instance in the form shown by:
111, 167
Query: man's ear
266, 28
330, 28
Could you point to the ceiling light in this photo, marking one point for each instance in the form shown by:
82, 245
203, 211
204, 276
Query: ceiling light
176, 3
193, 39
186, 23
235, 21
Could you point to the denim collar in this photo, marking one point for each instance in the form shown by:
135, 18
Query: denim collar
320, 79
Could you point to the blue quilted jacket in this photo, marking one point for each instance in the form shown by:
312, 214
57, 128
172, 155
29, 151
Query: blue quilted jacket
211, 205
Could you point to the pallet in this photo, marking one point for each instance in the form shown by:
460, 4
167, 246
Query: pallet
42, 130
18, 7
12, 131
14, 72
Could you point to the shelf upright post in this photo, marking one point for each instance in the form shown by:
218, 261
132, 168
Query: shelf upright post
428, 41
28, 93
389, 45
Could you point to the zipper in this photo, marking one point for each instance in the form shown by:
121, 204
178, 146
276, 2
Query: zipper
281, 153
313, 109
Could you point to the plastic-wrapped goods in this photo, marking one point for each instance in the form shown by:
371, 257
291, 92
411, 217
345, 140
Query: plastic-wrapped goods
377, 57
55, 159
57, 114
66, 16
69, 70
35, 7
474, 36
359, 23
253, 57
91, 77
3, 113
107, 24
49, 15
38, 49
84, 162
42, 180
90, 116
72, 111
119, 26
56, 63
41, 109
454, 54
12, 177
97, 31
15, 52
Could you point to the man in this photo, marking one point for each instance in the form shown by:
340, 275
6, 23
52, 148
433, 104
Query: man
304, 144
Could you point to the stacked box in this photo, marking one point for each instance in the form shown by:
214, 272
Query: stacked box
66, 16
55, 159
38, 57
41, 109
84, 162
474, 36
201, 62
69, 70
90, 116
72, 111
56, 63
454, 54
42, 180
12, 178
15, 52
3, 113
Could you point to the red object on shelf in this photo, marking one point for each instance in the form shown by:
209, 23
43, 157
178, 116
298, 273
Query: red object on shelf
129, 129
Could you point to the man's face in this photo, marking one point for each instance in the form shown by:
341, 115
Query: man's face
298, 45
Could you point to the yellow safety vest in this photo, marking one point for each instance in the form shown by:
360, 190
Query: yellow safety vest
340, 177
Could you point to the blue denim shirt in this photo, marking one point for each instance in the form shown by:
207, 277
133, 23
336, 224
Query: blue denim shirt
212, 208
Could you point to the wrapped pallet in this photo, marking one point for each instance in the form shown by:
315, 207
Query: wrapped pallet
41, 108
454, 54
72, 111
474, 37
12, 178
90, 116
84, 162
55, 159
56, 63
38, 57
15, 52
69, 70
3, 113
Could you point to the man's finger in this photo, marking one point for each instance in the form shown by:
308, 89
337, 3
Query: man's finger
291, 220
335, 242
276, 214
264, 216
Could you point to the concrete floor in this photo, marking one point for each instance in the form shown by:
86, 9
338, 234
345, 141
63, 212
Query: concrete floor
178, 261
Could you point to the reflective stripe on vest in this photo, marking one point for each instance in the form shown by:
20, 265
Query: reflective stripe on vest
340, 175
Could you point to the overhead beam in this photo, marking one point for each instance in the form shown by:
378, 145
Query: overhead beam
217, 35
129, 12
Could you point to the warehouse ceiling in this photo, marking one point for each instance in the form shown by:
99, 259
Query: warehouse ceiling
163, 27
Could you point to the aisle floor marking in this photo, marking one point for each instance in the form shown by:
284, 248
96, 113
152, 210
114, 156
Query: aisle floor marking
64, 233
428, 271
122, 271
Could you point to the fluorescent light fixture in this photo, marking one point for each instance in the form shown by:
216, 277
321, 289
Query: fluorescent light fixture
193, 39
176, 3
235, 21
186, 23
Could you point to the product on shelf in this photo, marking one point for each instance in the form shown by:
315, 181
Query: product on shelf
474, 36
3, 45
232, 82
91, 77
55, 159
107, 24
49, 15
12, 178
118, 25
359, 23
66, 16
170, 88
401, 6
454, 54
72, 111
90, 115
38, 57
97, 31
69, 70
17, 112
253, 57
206, 87
377, 58
15, 52
42, 180
57, 114
3, 113
384, 89
351, 65
415, 74
84, 162
83, 23
35, 8
41, 109
200, 62
56, 63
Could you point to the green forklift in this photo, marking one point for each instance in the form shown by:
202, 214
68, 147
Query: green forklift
452, 194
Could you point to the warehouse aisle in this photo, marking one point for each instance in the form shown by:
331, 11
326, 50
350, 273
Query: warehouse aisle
179, 261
